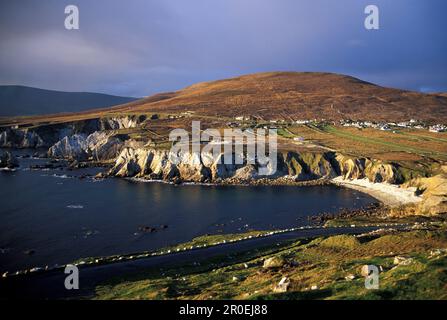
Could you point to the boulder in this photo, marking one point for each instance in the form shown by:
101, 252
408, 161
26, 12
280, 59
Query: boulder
7, 160
350, 277
402, 261
246, 173
282, 286
364, 271
273, 262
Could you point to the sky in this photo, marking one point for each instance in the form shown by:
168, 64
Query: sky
141, 47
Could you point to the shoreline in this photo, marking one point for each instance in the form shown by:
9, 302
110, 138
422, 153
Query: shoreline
285, 181
388, 194
190, 246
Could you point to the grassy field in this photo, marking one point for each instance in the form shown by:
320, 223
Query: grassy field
404, 145
322, 268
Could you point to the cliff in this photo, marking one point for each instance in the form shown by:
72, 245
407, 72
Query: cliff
434, 194
44, 136
100, 145
151, 163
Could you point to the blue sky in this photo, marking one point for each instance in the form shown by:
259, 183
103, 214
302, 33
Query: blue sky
140, 47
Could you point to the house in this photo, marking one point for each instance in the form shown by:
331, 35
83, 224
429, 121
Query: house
438, 128
243, 118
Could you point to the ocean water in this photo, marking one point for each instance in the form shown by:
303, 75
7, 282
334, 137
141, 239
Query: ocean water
52, 216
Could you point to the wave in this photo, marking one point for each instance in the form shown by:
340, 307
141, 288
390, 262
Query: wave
75, 206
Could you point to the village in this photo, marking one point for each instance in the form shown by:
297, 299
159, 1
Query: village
250, 121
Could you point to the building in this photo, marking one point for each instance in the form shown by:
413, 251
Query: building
438, 128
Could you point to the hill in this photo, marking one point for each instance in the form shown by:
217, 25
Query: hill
292, 95
283, 95
21, 100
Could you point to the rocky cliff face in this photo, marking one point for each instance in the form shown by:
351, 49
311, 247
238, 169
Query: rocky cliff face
48, 135
374, 170
188, 167
434, 193
100, 146
11, 138
116, 123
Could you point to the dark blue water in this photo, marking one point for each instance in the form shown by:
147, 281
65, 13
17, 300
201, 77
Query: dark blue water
63, 219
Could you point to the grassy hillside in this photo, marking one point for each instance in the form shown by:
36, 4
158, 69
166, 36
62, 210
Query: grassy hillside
287, 96
322, 268
292, 95
20, 101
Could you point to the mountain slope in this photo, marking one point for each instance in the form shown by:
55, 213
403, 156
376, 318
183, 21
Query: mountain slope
301, 96
284, 95
21, 100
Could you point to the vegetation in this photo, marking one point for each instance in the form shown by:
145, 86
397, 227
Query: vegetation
321, 268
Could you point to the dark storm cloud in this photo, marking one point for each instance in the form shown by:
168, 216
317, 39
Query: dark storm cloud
141, 47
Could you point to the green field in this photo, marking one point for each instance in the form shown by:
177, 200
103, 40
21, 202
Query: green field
321, 268
321, 263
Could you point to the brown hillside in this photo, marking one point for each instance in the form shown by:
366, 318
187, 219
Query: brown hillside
293, 95
301, 96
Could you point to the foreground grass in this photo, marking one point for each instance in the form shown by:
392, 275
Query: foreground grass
322, 268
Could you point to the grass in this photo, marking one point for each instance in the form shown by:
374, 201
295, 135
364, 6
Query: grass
426, 136
321, 263
407, 147
285, 133
388, 144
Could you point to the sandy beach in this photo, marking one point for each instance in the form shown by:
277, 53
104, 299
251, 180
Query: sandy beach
391, 195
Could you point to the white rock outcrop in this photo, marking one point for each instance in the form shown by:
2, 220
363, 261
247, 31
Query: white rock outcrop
151, 163
98, 146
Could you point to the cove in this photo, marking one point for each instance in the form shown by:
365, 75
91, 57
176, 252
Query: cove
50, 217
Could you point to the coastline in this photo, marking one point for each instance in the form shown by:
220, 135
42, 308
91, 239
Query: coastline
289, 181
388, 194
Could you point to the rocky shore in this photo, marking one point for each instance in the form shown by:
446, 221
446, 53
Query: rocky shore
8, 161
292, 167
99, 141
